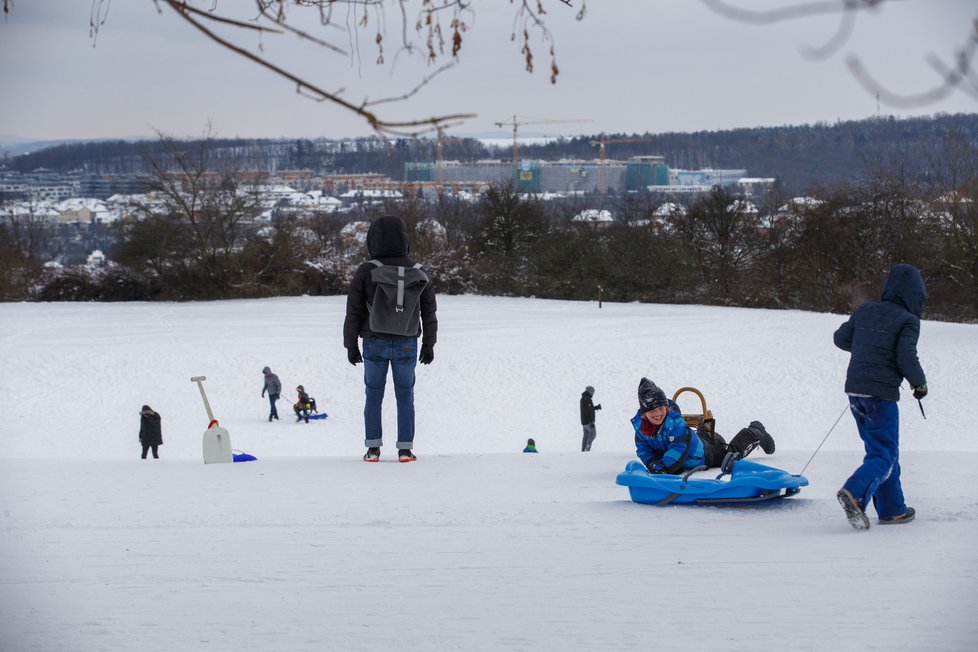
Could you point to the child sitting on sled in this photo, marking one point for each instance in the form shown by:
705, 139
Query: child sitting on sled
665, 444
304, 406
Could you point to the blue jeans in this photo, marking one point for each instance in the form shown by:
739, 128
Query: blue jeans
878, 421
274, 412
402, 356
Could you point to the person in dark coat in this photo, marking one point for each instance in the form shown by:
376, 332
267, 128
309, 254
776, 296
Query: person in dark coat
587, 418
150, 431
274, 388
388, 243
881, 337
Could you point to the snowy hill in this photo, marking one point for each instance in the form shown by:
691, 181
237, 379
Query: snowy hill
476, 546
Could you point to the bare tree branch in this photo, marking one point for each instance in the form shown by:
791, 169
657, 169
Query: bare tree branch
442, 38
378, 124
960, 75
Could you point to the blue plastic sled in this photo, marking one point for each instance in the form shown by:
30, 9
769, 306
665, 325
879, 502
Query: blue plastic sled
318, 415
241, 456
748, 483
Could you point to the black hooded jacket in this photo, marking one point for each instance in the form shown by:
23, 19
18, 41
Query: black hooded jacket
150, 429
882, 337
387, 241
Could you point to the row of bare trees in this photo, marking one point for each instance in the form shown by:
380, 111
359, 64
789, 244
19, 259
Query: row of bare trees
202, 241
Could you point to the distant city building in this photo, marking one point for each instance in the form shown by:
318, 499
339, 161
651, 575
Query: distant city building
577, 176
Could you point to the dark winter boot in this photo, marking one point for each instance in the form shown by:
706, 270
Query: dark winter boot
763, 438
372, 455
745, 442
855, 512
905, 517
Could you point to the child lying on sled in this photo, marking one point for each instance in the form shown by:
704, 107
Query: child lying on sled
665, 444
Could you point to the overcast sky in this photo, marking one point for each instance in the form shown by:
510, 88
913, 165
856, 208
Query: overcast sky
630, 66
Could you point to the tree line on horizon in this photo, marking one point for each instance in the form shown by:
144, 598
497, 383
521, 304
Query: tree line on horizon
800, 157
203, 242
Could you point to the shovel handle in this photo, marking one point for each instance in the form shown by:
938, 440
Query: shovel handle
200, 385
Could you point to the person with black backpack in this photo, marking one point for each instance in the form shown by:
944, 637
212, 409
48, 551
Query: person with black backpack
391, 303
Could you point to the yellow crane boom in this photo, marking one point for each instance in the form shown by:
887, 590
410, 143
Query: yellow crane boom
602, 141
516, 122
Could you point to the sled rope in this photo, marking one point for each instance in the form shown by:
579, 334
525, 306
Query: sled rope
844, 410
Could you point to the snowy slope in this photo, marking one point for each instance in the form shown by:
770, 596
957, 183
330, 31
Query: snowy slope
476, 546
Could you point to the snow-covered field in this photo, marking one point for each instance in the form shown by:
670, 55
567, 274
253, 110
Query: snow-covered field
476, 546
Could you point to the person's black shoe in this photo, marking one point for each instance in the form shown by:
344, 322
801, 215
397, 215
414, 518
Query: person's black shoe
405, 455
855, 512
372, 455
905, 517
763, 437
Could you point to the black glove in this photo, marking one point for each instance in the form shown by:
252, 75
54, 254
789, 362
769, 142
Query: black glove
597, 407
655, 467
353, 355
920, 391
427, 354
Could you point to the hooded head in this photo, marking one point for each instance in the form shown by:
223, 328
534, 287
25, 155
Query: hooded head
589, 390
266, 371
650, 396
530, 442
388, 237
146, 409
905, 286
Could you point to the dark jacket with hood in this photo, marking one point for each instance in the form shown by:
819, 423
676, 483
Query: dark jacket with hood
882, 337
587, 408
150, 430
387, 241
272, 384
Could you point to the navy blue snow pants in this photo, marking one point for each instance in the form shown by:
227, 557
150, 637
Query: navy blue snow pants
878, 478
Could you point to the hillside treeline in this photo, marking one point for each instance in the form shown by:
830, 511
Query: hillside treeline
800, 157
825, 253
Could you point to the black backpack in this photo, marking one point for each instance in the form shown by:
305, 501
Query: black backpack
396, 307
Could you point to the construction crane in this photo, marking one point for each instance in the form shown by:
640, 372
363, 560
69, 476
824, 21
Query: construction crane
517, 122
602, 141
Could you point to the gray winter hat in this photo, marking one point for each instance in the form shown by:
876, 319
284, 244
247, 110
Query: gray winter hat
589, 390
650, 396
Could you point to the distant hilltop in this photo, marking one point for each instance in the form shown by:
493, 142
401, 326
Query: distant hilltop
798, 156
19, 145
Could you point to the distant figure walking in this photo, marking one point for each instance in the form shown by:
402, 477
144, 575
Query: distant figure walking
150, 431
882, 339
274, 388
587, 418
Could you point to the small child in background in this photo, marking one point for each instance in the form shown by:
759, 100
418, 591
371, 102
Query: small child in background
531, 446
304, 405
